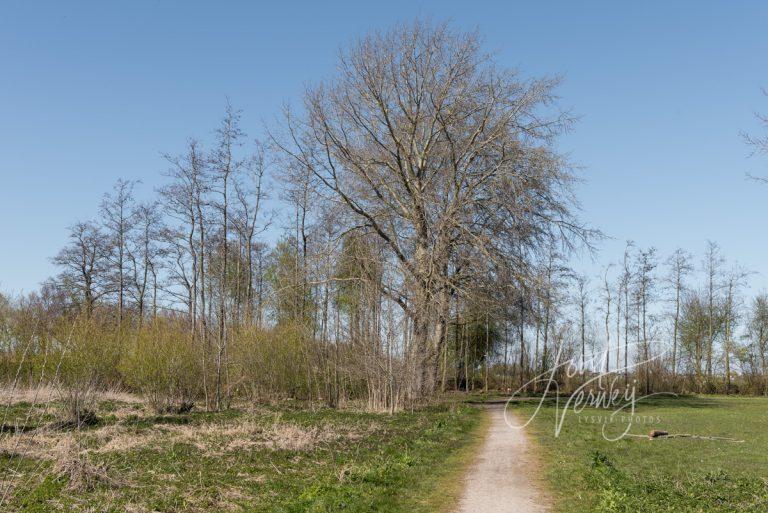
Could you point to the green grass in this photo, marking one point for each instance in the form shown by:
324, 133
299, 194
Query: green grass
347, 461
587, 473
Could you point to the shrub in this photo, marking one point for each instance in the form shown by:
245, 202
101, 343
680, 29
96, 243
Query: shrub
164, 364
88, 352
273, 363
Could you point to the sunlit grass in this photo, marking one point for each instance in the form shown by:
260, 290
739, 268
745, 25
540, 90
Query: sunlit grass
588, 473
271, 459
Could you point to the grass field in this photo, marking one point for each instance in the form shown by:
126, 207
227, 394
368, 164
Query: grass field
272, 459
587, 473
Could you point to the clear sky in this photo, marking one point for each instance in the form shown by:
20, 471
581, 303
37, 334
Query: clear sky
94, 91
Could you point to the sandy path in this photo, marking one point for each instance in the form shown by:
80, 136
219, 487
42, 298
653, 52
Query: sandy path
501, 478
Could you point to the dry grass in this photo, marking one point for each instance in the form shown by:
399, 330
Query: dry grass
119, 438
81, 473
50, 444
45, 394
82, 455
292, 437
250, 434
12, 395
43, 444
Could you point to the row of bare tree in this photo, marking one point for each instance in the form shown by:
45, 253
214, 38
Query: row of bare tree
654, 320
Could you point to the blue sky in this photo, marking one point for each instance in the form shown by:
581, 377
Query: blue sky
94, 91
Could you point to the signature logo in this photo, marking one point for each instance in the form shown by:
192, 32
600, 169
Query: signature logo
604, 391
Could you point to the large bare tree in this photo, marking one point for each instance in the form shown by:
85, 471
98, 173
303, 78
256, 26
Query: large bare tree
439, 153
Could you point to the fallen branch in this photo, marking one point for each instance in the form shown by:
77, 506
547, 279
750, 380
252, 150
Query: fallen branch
665, 434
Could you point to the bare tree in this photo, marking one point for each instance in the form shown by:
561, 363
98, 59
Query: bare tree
626, 281
224, 165
608, 297
645, 283
759, 144
694, 332
84, 264
250, 197
582, 297
144, 252
713, 261
680, 267
184, 201
116, 209
758, 330
432, 148
734, 281
619, 291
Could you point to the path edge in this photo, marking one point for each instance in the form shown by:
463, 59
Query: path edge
463, 461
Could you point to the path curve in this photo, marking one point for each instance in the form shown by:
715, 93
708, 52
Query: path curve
501, 479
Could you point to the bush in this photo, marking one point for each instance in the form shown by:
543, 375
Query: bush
273, 363
88, 356
80, 402
164, 364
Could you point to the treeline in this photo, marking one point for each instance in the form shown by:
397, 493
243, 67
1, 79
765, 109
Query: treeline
427, 221
675, 324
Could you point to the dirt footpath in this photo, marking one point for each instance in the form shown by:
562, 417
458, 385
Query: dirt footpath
502, 477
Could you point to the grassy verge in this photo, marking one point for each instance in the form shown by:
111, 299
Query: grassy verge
275, 459
588, 473
442, 491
